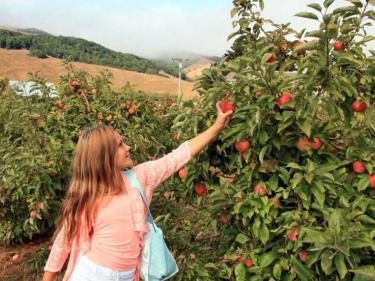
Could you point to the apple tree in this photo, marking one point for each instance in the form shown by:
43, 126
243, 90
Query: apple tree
290, 188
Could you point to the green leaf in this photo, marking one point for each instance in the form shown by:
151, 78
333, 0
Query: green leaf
314, 236
304, 125
261, 5
366, 39
326, 262
294, 166
315, 6
276, 272
327, 3
303, 272
264, 234
241, 238
307, 15
314, 33
240, 272
273, 182
234, 11
267, 259
262, 153
343, 10
296, 180
340, 265
319, 196
364, 273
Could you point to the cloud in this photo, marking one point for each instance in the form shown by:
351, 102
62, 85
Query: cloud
144, 27
145, 31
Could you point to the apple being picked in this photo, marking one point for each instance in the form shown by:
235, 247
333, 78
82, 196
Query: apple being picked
226, 106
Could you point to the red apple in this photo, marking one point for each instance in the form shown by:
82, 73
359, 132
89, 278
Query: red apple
276, 205
153, 157
223, 218
300, 52
99, 123
258, 93
60, 105
174, 137
283, 99
339, 46
200, 189
293, 235
132, 109
249, 262
226, 106
302, 256
242, 146
238, 260
33, 214
371, 179
258, 188
93, 91
271, 58
359, 107
39, 205
182, 173
303, 143
358, 167
316, 144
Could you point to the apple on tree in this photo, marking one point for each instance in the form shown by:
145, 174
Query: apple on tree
359, 106
358, 167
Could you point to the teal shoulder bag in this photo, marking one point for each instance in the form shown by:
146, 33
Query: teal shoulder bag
157, 262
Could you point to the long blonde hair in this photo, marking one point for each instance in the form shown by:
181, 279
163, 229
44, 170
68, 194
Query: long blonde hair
94, 176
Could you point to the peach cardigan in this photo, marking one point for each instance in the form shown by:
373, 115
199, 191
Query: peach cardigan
150, 174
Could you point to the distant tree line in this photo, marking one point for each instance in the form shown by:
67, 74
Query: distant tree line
77, 49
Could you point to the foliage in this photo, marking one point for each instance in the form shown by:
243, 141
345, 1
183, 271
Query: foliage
317, 218
38, 134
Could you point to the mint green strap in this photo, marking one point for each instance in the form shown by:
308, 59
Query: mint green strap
137, 185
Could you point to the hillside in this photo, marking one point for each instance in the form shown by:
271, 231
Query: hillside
43, 45
16, 64
193, 71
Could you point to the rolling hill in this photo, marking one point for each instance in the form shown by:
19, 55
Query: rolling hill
16, 64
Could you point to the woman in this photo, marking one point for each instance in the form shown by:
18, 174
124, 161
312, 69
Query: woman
103, 217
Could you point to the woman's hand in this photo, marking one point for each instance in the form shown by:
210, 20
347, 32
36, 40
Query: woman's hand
199, 142
222, 118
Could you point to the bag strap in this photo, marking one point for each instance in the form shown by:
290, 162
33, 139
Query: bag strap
133, 179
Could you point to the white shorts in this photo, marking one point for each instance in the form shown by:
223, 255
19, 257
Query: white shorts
86, 270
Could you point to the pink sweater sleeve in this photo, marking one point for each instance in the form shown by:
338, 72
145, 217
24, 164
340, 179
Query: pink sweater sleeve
152, 173
59, 253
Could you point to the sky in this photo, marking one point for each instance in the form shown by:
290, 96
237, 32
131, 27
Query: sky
147, 28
